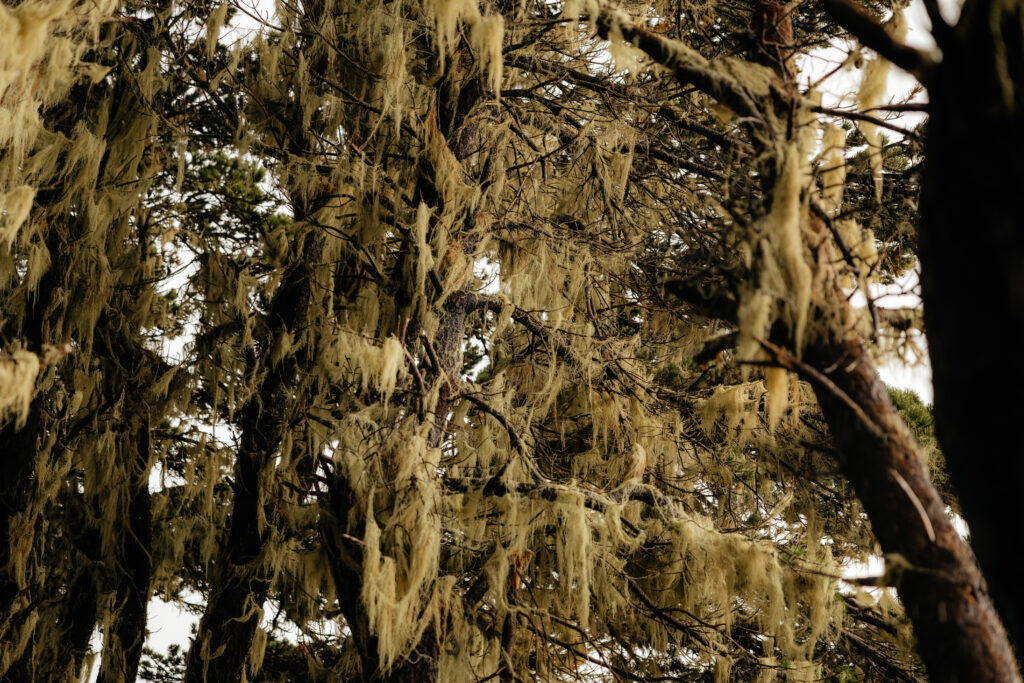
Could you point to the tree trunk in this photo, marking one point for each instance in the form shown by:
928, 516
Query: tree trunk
122, 644
18, 471
240, 583
959, 634
80, 621
972, 260
17, 474
75, 621
972, 263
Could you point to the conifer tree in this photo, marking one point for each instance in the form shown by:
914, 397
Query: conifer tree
464, 340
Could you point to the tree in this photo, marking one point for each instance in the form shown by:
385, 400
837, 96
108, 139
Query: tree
981, 55
517, 346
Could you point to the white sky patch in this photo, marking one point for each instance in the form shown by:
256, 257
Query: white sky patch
917, 378
912, 371
169, 623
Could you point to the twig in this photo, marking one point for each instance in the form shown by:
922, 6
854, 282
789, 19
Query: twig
857, 116
922, 513
419, 381
513, 436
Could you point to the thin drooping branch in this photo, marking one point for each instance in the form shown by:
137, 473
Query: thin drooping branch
515, 440
866, 118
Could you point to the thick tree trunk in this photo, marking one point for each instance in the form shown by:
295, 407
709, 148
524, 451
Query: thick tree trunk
960, 637
17, 473
18, 463
122, 644
240, 583
79, 621
60, 658
972, 262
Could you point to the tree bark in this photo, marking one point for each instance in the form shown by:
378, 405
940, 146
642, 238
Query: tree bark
18, 466
123, 641
972, 261
972, 277
17, 474
959, 634
240, 582
80, 618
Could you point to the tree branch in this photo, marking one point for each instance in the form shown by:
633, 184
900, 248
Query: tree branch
857, 116
513, 436
874, 35
787, 360
688, 66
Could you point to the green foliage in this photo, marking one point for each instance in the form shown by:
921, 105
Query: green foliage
162, 668
921, 421
917, 413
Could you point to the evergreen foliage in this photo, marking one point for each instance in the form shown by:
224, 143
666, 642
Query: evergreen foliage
451, 340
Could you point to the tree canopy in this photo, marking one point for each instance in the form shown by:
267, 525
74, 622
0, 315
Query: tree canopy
461, 340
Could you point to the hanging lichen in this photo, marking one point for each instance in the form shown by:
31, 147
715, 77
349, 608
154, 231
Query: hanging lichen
871, 93
393, 317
